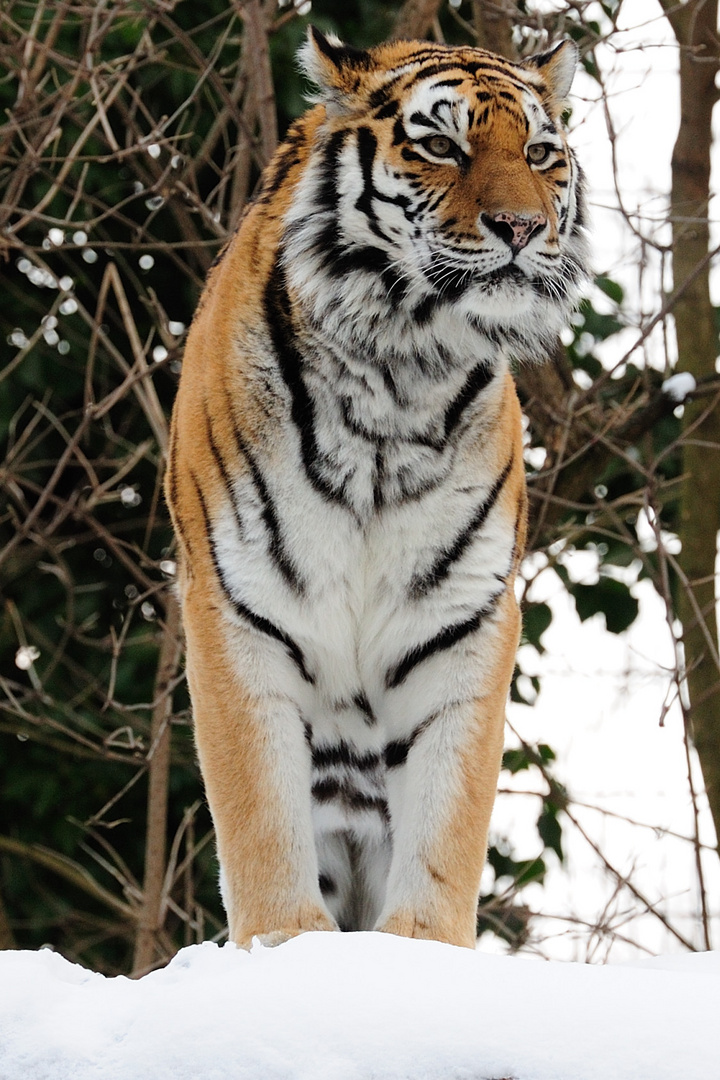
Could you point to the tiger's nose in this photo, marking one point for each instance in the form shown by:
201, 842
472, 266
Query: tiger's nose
514, 229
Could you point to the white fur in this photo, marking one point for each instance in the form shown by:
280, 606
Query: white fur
355, 620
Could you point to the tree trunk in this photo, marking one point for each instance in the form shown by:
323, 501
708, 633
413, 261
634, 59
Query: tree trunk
694, 24
492, 22
7, 941
415, 19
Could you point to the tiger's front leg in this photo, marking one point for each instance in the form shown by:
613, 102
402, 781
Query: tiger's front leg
441, 788
256, 765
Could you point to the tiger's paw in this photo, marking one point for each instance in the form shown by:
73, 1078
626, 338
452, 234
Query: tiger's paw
270, 938
414, 924
275, 937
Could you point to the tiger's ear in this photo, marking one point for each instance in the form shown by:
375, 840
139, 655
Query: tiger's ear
557, 67
333, 66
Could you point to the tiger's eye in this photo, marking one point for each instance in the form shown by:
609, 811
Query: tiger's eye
538, 153
439, 145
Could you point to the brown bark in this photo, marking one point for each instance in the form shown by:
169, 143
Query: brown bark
7, 941
415, 19
258, 53
492, 23
151, 913
695, 24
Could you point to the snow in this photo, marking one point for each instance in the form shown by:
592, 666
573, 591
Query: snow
359, 1007
678, 386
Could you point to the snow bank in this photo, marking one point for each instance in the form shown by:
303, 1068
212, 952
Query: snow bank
359, 1007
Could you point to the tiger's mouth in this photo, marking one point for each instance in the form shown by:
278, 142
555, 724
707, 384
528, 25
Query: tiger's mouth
509, 272
451, 281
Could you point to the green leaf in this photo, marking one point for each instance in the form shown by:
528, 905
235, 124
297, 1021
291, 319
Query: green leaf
597, 323
531, 870
522, 757
550, 829
515, 760
546, 753
536, 619
610, 288
612, 598
522, 871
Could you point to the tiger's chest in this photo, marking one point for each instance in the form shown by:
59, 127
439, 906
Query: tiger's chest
368, 432
369, 516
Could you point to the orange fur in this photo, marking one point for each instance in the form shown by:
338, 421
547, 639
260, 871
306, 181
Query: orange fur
242, 453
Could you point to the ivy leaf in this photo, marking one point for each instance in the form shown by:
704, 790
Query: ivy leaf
546, 753
536, 619
522, 871
612, 598
515, 760
610, 288
550, 829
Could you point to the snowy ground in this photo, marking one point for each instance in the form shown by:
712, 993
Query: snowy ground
359, 1007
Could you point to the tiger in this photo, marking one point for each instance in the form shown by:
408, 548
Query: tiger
347, 485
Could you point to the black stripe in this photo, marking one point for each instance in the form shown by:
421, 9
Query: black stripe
423, 583
362, 703
258, 621
269, 628
341, 55
563, 220
516, 113
445, 639
283, 560
424, 120
329, 789
439, 69
479, 378
517, 552
174, 497
289, 155
336, 258
278, 551
378, 496
343, 754
386, 111
327, 192
396, 752
279, 322
409, 155
541, 59
222, 468
327, 885
367, 152
367, 149
423, 312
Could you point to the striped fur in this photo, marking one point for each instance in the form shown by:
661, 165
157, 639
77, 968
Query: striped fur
347, 485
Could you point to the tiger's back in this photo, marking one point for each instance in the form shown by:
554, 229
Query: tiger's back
347, 484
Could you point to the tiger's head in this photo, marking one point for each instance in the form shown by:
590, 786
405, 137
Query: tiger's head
440, 185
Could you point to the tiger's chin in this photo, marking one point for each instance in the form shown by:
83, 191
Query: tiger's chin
503, 296
511, 307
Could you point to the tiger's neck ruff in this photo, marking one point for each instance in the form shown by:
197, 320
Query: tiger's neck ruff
347, 483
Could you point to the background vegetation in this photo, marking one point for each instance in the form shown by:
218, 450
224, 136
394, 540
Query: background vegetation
133, 133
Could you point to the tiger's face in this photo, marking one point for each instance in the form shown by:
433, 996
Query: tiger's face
441, 178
